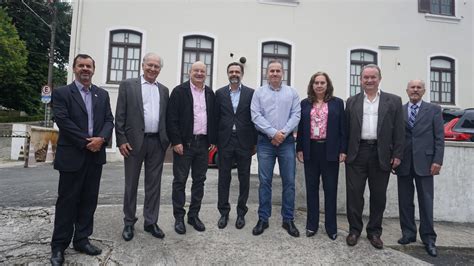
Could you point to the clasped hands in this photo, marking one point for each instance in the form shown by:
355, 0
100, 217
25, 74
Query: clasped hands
278, 138
95, 144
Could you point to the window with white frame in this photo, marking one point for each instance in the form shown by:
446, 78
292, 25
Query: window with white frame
279, 51
124, 55
197, 48
359, 58
442, 80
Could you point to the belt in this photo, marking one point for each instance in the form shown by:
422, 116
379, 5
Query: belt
318, 140
198, 137
263, 135
151, 134
368, 141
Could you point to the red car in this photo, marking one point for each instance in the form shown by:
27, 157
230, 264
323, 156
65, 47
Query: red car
213, 157
456, 130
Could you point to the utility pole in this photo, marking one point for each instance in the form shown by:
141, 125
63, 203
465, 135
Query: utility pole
52, 27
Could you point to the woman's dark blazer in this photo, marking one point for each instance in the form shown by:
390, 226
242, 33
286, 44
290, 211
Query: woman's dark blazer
336, 139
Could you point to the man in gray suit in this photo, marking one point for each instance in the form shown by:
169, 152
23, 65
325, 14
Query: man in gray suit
375, 147
141, 137
422, 159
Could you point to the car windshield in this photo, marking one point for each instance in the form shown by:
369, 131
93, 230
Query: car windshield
466, 122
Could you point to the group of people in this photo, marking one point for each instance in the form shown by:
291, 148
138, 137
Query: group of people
374, 135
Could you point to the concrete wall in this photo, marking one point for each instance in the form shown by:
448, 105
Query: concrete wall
454, 187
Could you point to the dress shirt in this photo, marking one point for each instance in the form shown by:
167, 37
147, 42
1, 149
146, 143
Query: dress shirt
87, 97
199, 110
410, 105
275, 109
151, 105
319, 121
370, 116
235, 98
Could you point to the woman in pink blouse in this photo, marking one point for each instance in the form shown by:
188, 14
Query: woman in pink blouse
321, 145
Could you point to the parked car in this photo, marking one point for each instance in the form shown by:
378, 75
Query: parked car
453, 129
213, 158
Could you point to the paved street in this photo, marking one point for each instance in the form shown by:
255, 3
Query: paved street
26, 218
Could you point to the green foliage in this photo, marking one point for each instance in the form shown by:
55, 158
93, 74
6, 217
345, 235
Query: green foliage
36, 36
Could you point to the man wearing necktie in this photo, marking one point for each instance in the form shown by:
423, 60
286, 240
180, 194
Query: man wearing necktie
85, 121
422, 159
140, 119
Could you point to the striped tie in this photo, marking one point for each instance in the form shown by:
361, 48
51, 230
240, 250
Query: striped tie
411, 119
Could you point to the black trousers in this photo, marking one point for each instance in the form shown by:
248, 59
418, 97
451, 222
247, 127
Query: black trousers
318, 166
195, 159
76, 204
366, 167
406, 194
229, 154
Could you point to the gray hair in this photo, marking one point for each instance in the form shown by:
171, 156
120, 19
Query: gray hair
419, 80
148, 55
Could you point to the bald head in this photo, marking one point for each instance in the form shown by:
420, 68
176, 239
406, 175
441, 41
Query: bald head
415, 90
197, 74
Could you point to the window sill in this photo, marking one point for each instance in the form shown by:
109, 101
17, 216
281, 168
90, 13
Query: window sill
442, 19
280, 2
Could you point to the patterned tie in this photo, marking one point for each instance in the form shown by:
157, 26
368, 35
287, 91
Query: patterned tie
411, 119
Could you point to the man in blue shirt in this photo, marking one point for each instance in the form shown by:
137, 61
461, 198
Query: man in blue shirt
276, 113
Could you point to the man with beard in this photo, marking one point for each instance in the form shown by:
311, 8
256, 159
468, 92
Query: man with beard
85, 121
236, 139
190, 125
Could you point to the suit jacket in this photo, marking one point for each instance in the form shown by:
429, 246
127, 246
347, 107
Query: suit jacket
424, 143
390, 128
70, 115
180, 115
226, 118
129, 115
336, 140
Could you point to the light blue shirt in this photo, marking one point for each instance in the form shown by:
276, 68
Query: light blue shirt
275, 109
235, 98
87, 97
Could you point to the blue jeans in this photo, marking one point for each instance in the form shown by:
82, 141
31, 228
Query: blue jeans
266, 154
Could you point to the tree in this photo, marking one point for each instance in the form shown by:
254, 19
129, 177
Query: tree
37, 36
13, 59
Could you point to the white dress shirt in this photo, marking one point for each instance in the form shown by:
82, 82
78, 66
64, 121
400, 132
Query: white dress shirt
151, 105
370, 117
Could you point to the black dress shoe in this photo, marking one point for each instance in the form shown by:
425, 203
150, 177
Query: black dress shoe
291, 228
88, 249
352, 239
154, 230
127, 233
179, 227
406, 240
57, 258
376, 242
222, 223
431, 249
196, 223
259, 228
332, 236
240, 222
310, 233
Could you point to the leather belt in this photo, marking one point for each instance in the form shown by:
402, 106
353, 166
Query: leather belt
151, 134
198, 137
318, 140
368, 141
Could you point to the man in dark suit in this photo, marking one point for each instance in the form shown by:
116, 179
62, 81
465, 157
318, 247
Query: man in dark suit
191, 130
85, 121
422, 159
375, 147
140, 120
236, 140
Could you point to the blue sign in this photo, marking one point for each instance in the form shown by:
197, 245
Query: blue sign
46, 99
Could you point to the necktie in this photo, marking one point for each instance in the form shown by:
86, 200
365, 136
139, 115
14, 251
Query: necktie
411, 118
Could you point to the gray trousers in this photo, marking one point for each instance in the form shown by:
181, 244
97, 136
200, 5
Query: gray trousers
152, 154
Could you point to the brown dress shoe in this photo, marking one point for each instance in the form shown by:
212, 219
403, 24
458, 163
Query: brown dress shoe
352, 239
376, 241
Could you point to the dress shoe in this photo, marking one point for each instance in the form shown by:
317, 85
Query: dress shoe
259, 228
196, 223
406, 240
88, 249
332, 236
352, 239
376, 241
240, 222
179, 227
127, 233
290, 227
154, 230
222, 223
431, 249
310, 233
57, 258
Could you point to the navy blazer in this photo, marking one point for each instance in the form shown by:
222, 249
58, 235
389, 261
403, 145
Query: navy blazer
70, 115
336, 139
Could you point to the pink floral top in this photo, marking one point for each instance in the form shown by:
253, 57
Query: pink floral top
319, 121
